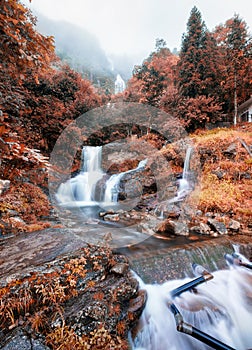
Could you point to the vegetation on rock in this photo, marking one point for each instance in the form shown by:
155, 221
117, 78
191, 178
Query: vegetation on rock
76, 301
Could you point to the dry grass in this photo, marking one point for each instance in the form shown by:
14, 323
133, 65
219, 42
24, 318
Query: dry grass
226, 182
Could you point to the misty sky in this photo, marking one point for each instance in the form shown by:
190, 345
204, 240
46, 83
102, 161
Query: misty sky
132, 26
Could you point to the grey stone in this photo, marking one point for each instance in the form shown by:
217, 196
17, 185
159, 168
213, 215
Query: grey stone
231, 150
202, 229
120, 268
21, 342
4, 186
234, 225
217, 226
112, 217
172, 227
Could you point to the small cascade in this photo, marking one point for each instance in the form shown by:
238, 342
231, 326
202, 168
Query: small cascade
119, 84
184, 185
210, 308
113, 183
81, 189
91, 159
187, 163
112, 188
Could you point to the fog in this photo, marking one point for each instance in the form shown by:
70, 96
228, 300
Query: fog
82, 49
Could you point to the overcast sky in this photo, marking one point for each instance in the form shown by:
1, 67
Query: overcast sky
131, 26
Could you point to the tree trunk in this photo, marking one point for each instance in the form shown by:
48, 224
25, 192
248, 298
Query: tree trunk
235, 99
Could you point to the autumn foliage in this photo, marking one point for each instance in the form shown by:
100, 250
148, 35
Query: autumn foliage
39, 302
39, 97
206, 82
225, 185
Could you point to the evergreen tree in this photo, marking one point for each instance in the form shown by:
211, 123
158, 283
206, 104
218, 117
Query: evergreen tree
235, 46
197, 75
190, 64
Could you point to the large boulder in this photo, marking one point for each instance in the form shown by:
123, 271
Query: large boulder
78, 294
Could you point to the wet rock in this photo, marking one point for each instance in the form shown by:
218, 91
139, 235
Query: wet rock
102, 293
136, 305
111, 217
181, 228
103, 213
120, 268
217, 226
131, 186
172, 211
148, 228
172, 227
125, 217
21, 341
234, 226
4, 186
202, 229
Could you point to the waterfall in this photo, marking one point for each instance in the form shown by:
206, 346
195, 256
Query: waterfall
91, 159
112, 185
183, 185
220, 307
80, 190
119, 84
187, 163
112, 188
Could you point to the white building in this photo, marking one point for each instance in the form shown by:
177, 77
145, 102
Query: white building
119, 84
245, 111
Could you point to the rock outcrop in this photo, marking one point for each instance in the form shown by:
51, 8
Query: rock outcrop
80, 297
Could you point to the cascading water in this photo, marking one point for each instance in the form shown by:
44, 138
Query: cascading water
112, 185
184, 185
91, 159
80, 190
221, 308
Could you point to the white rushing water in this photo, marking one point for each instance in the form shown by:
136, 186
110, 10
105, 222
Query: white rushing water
221, 308
81, 189
184, 183
112, 185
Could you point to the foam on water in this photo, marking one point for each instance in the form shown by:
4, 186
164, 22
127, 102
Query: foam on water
221, 308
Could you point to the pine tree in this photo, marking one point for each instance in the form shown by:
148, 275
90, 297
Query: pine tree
197, 74
190, 56
236, 47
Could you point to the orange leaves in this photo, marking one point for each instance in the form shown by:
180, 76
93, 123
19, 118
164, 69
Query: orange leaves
16, 24
3, 129
98, 295
150, 80
121, 327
